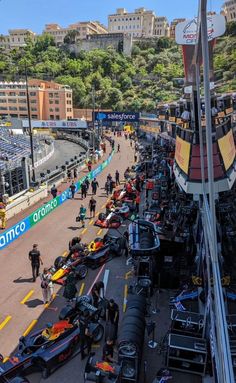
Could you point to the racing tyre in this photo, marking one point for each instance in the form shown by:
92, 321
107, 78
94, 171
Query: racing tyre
98, 333
81, 271
59, 262
127, 349
136, 313
101, 217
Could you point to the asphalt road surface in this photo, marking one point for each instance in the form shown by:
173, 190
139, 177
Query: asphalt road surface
63, 151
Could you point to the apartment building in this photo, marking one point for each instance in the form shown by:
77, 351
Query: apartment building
83, 29
17, 38
48, 100
229, 10
161, 27
140, 23
173, 26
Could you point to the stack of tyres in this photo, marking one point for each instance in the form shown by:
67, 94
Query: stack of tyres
131, 338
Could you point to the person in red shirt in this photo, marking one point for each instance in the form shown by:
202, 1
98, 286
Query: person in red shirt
137, 202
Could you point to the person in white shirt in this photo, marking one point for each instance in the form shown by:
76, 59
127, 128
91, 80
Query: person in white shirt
185, 115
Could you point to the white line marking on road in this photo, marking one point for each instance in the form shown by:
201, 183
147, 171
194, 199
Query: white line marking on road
105, 280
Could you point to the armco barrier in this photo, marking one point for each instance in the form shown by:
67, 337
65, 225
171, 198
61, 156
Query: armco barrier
23, 226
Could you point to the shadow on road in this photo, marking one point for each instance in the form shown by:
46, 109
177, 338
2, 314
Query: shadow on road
73, 228
23, 280
34, 303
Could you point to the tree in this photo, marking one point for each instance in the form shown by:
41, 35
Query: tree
70, 37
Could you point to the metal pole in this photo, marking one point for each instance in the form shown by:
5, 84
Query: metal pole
30, 126
226, 372
93, 100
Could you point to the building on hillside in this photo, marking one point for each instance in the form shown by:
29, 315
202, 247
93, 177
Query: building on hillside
83, 29
137, 24
229, 10
17, 38
173, 26
161, 27
48, 100
119, 41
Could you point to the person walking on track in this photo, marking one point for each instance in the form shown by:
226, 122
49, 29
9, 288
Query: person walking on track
94, 185
92, 207
35, 258
82, 215
46, 286
118, 148
117, 178
72, 189
83, 190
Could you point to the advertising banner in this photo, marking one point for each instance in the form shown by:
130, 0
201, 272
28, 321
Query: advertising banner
182, 154
117, 116
227, 149
23, 226
186, 32
55, 124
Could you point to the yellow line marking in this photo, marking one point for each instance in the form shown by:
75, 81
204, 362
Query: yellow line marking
103, 206
48, 304
30, 327
4, 323
95, 345
27, 297
99, 231
125, 298
128, 274
65, 253
81, 289
97, 214
6, 359
84, 231
91, 222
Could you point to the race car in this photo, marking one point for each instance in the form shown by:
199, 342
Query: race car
83, 303
110, 221
42, 351
143, 238
63, 266
104, 371
108, 247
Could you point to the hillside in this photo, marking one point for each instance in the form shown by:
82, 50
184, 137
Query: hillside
120, 83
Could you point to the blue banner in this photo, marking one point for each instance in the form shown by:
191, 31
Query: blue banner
117, 116
23, 226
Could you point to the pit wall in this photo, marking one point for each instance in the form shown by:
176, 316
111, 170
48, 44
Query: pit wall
27, 223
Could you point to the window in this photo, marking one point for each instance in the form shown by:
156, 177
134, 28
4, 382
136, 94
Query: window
33, 101
34, 116
12, 93
118, 28
50, 95
3, 108
56, 95
57, 117
13, 100
56, 101
23, 116
22, 108
18, 39
32, 94
50, 101
12, 108
34, 109
2, 101
50, 109
51, 117
21, 101
57, 109
22, 94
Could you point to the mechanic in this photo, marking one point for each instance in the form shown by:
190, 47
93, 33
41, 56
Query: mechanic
108, 351
70, 289
117, 178
92, 207
112, 315
54, 191
83, 190
82, 214
87, 183
35, 258
72, 189
96, 291
94, 185
109, 206
76, 248
107, 186
112, 185
85, 337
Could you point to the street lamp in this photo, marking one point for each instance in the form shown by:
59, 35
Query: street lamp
30, 126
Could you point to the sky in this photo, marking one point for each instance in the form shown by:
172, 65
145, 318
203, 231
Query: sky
34, 14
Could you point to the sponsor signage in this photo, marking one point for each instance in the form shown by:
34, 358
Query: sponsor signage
117, 116
186, 32
227, 149
182, 154
23, 226
40, 124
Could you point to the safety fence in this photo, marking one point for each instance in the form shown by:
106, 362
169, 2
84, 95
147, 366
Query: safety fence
27, 223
